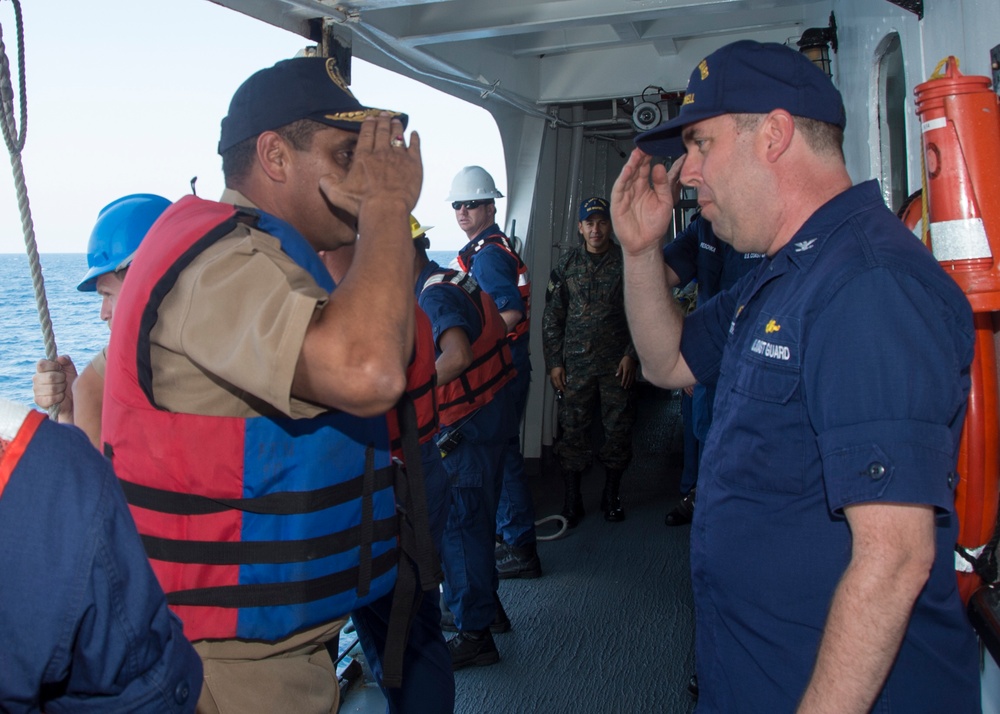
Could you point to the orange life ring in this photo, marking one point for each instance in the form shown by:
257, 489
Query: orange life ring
978, 490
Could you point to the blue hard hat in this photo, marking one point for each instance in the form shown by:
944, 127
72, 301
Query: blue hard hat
120, 228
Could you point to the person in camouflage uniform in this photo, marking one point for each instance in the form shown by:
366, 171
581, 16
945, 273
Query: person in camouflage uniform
590, 359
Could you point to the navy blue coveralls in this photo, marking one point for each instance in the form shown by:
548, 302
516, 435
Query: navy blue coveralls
496, 272
475, 467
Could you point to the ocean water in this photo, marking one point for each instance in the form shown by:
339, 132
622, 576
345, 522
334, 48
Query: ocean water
76, 320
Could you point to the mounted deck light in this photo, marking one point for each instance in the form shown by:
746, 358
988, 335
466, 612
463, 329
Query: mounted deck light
816, 42
646, 116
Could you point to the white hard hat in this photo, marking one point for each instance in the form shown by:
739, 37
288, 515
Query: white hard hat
473, 183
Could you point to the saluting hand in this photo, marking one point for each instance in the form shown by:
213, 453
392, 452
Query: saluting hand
384, 168
642, 200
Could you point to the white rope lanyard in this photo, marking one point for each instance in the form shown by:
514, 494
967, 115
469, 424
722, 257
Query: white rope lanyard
15, 144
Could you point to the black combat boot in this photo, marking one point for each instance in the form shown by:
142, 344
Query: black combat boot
500, 624
573, 504
611, 504
683, 512
472, 648
521, 562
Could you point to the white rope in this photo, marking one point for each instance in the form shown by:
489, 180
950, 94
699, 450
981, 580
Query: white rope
563, 526
15, 144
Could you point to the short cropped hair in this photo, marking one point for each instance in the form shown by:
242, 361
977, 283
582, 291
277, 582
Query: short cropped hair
237, 160
823, 138
820, 136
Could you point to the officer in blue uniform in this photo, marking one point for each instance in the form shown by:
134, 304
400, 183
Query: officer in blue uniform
491, 258
698, 254
821, 548
473, 448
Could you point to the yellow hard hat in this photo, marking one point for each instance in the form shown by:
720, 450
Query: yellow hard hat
416, 230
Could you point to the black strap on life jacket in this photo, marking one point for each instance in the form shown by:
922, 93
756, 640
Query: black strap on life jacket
413, 495
285, 503
422, 429
273, 504
419, 570
470, 393
360, 536
277, 594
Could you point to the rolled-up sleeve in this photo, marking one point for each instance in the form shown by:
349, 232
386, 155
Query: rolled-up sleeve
887, 380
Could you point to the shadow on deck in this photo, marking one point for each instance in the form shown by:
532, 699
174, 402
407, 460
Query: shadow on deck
609, 626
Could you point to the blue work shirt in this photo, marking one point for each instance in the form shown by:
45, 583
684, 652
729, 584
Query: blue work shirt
843, 371
697, 253
496, 272
84, 625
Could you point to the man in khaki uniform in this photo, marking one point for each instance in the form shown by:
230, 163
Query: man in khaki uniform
246, 335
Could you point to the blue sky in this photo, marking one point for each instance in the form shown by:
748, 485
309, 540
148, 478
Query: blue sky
125, 96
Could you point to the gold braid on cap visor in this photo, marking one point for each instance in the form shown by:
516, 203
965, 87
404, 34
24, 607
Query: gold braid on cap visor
359, 116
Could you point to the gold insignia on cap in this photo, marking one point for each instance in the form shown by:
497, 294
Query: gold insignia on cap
703, 69
333, 71
359, 115
688, 99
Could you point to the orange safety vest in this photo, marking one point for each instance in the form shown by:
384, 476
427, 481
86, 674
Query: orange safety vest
421, 378
523, 282
492, 365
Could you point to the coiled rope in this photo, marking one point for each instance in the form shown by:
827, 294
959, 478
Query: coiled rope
15, 145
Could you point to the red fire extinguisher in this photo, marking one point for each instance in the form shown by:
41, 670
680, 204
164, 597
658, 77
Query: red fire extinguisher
960, 126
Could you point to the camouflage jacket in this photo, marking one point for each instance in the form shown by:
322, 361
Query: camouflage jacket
584, 327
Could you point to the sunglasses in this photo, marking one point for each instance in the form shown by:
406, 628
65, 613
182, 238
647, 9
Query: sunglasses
469, 205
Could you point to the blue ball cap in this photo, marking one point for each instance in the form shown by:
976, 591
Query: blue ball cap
748, 77
293, 89
592, 206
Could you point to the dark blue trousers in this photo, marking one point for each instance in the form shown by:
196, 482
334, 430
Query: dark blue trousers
428, 681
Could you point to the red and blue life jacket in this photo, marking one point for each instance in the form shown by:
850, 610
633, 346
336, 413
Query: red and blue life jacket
256, 527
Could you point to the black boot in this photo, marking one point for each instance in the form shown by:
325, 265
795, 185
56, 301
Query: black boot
521, 562
468, 648
611, 504
573, 504
683, 512
500, 624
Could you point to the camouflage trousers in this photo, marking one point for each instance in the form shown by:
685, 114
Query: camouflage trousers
581, 400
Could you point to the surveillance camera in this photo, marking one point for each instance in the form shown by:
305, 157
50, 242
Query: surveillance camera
646, 116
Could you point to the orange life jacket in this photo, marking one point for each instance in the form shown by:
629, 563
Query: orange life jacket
492, 365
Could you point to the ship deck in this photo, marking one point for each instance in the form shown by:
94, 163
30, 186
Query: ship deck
609, 626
